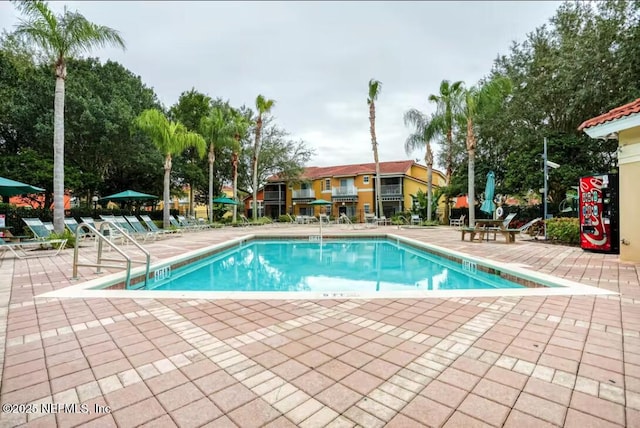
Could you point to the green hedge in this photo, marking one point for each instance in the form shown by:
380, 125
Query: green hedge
563, 230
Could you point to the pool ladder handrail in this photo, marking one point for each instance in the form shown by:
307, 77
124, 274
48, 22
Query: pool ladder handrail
102, 238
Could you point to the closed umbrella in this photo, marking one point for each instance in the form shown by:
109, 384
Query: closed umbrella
488, 206
11, 187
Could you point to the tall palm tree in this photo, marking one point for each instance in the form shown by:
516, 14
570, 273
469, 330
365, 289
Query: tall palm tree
263, 106
217, 129
448, 104
476, 100
171, 138
240, 125
375, 87
424, 132
61, 36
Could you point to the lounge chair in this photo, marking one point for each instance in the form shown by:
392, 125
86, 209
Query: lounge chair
526, 228
32, 249
457, 222
186, 224
370, 220
245, 221
155, 229
417, 220
38, 228
139, 229
291, 219
72, 225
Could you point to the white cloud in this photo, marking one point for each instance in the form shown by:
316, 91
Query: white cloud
314, 58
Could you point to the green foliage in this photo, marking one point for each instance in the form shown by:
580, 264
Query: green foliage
66, 234
556, 86
284, 219
563, 230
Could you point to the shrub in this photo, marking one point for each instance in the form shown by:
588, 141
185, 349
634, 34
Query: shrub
563, 230
70, 237
284, 219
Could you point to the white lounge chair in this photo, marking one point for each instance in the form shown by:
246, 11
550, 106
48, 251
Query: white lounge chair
458, 222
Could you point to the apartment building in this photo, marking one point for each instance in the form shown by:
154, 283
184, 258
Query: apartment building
350, 188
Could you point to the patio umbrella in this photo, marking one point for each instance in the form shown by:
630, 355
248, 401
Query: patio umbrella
11, 187
225, 201
129, 195
488, 206
320, 202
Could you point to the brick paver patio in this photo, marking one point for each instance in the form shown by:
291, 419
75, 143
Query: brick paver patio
569, 361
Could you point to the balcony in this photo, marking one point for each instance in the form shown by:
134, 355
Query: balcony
344, 191
274, 196
391, 189
304, 194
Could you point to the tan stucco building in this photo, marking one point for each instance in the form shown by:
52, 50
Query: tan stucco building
623, 124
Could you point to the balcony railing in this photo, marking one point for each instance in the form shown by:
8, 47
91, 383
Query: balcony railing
304, 194
391, 189
274, 196
344, 191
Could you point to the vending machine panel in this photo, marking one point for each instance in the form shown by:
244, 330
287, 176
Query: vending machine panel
599, 230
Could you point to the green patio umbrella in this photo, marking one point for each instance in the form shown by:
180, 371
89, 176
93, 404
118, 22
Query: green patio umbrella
11, 187
488, 206
320, 202
129, 195
225, 201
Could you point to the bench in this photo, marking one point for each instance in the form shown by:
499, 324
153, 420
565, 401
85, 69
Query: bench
509, 234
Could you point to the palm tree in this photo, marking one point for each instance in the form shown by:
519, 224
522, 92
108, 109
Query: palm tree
476, 100
217, 128
448, 104
171, 138
61, 36
263, 106
239, 125
424, 132
375, 87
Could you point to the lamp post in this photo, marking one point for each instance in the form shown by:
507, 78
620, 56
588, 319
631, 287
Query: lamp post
94, 199
547, 164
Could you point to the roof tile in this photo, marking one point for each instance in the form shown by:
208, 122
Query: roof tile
315, 172
616, 113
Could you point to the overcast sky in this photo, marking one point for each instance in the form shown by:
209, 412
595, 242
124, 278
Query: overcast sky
314, 58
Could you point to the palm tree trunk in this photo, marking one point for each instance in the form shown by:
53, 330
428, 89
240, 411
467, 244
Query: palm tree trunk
165, 193
58, 148
212, 158
234, 160
429, 161
256, 151
471, 148
374, 144
449, 171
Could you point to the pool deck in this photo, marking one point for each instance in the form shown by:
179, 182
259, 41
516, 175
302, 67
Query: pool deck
511, 361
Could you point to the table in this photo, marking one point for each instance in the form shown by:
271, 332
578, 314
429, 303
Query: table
486, 226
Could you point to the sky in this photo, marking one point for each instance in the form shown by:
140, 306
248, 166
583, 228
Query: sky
314, 59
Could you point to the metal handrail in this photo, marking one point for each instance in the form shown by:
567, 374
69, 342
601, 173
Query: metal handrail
102, 238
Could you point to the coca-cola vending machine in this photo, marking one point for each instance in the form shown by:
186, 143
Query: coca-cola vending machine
599, 215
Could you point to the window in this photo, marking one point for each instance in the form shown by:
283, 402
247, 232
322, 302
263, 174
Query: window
343, 182
365, 179
304, 186
327, 184
367, 208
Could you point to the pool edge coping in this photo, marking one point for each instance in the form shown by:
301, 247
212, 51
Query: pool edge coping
88, 289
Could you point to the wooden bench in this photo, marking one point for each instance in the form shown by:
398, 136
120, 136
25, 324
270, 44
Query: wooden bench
472, 231
509, 234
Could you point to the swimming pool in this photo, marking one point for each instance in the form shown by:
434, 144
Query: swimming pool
338, 265
112, 285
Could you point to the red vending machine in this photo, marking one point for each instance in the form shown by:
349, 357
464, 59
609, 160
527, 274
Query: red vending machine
599, 215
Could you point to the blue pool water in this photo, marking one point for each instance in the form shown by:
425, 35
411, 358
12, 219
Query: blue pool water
334, 266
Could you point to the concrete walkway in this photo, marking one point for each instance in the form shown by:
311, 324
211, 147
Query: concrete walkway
502, 361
